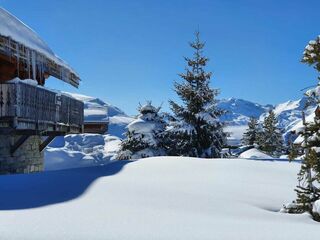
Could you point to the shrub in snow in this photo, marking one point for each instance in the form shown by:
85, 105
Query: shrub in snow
144, 135
291, 208
271, 140
195, 129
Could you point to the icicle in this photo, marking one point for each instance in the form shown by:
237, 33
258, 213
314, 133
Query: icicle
18, 59
33, 62
28, 62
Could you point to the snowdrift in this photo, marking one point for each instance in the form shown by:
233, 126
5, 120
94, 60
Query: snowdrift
81, 150
73, 151
156, 198
254, 154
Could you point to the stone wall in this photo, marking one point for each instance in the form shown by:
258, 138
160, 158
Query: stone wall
26, 158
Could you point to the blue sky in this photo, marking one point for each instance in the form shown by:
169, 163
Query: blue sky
130, 51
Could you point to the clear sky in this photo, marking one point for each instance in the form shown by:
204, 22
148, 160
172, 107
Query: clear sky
130, 51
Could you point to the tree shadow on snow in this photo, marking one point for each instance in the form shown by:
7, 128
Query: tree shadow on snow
40, 189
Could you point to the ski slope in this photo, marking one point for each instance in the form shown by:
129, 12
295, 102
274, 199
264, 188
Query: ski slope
155, 198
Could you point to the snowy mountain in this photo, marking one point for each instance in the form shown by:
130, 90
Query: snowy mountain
239, 111
290, 112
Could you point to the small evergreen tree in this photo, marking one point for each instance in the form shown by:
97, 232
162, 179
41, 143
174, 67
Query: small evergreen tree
271, 140
144, 136
253, 132
195, 130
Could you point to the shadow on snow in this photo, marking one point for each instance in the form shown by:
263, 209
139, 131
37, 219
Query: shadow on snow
40, 189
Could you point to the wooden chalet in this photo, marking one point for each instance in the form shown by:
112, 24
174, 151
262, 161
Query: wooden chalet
27, 109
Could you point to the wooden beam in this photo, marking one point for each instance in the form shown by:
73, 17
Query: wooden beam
18, 143
45, 143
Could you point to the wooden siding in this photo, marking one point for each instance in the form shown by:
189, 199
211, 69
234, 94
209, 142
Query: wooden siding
95, 127
37, 108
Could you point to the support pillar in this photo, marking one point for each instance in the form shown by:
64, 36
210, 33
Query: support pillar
26, 157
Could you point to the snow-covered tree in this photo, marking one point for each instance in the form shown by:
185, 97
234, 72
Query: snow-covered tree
195, 130
253, 132
271, 140
311, 54
144, 135
308, 189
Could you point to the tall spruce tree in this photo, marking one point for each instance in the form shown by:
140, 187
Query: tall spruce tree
253, 132
271, 140
308, 190
195, 130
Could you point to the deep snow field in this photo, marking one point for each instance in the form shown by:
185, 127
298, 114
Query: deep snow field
155, 198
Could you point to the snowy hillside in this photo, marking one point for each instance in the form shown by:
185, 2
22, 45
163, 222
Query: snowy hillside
156, 198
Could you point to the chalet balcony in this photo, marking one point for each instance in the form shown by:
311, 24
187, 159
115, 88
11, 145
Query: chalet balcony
33, 110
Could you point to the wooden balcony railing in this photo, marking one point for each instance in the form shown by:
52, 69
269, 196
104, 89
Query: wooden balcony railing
27, 107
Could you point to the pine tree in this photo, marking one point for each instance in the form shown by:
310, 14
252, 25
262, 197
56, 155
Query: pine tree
271, 140
195, 130
308, 189
144, 136
252, 134
309, 175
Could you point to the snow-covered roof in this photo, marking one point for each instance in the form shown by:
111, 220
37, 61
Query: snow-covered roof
12, 27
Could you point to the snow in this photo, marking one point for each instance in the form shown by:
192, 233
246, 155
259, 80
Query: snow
118, 125
81, 150
26, 81
12, 27
254, 154
142, 126
316, 207
156, 198
146, 129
